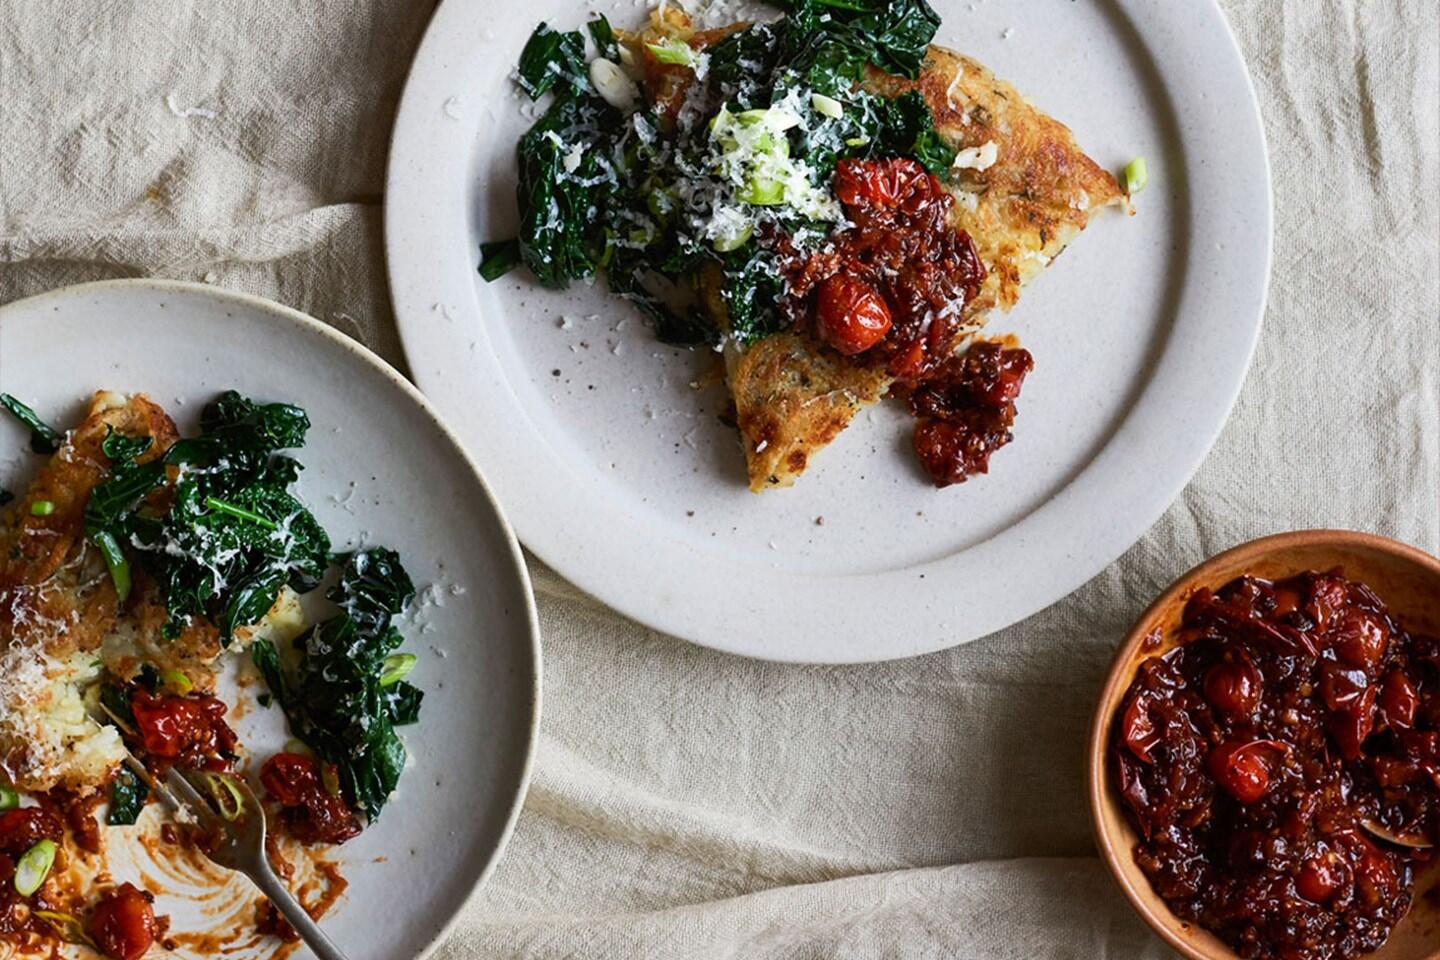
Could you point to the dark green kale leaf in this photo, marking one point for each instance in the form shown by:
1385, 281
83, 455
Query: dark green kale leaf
334, 699
110, 509
901, 31
499, 258
233, 535
117, 705
373, 589
127, 798
751, 290
562, 192
906, 127
550, 57
604, 36
402, 700
741, 61
43, 437
625, 276
892, 34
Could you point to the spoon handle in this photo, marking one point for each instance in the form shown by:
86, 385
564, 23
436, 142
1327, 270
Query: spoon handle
285, 902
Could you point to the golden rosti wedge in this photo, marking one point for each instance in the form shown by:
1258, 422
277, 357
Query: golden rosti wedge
1023, 191
58, 605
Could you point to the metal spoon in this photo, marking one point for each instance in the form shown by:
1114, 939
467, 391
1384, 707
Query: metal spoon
1413, 841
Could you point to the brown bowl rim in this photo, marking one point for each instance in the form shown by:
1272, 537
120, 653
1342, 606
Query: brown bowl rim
1162, 921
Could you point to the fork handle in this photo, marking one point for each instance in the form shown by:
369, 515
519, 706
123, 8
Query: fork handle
290, 908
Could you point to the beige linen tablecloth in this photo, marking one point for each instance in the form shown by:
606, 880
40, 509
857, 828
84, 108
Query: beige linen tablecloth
689, 804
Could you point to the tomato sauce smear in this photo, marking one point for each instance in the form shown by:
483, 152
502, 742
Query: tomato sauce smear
890, 290
311, 813
1281, 764
189, 731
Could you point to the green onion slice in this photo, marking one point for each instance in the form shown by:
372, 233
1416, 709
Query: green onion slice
69, 927
42, 508
1136, 176
32, 869
115, 560
298, 747
177, 681
229, 801
395, 667
9, 799
827, 106
672, 51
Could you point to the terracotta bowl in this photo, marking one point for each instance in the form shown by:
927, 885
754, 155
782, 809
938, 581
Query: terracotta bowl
1407, 579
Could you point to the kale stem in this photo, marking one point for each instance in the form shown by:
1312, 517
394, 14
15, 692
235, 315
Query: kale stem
220, 506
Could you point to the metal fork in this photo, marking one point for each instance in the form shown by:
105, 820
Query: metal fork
241, 847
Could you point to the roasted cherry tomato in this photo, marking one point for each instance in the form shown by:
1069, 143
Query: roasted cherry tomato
1319, 878
1350, 726
1374, 873
1233, 687
850, 315
123, 924
1360, 638
1341, 686
182, 728
878, 183
1398, 700
1243, 769
1138, 729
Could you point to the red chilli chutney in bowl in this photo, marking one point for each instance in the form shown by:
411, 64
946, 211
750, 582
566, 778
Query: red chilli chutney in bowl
1277, 754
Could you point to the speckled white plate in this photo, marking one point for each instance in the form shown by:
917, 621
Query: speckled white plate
620, 475
380, 468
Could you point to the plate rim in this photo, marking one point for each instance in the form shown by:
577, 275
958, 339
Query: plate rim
512, 545
407, 218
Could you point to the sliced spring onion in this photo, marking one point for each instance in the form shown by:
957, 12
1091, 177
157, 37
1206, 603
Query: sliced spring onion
827, 106
177, 681
69, 927
395, 667
32, 869
229, 801
733, 241
220, 506
1136, 176
295, 746
9, 799
330, 779
762, 192
613, 85
672, 51
115, 560
42, 508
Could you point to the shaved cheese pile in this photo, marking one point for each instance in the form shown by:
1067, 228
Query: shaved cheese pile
47, 738
753, 159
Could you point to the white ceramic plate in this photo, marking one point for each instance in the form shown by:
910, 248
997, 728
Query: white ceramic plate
379, 468
620, 475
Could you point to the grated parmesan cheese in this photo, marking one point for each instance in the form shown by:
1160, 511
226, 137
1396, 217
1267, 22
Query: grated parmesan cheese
978, 158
